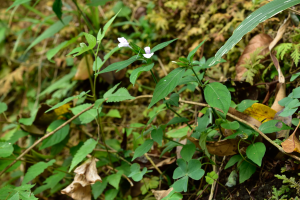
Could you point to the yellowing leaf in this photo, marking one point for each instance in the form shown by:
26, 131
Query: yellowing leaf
63, 109
82, 69
260, 112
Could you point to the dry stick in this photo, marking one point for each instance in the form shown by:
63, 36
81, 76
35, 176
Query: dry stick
153, 164
236, 118
109, 167
44, 137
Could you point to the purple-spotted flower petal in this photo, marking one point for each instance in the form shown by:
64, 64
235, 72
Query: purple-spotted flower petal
123, 42
148, 52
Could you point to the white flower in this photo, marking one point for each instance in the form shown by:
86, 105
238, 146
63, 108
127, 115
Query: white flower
148, 52
123, 42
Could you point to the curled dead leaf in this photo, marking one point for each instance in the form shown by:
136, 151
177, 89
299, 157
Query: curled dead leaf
167, 161
291, 144
160, 194
79, 189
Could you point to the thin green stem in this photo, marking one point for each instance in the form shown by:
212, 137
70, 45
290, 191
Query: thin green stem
90, 76
242, 154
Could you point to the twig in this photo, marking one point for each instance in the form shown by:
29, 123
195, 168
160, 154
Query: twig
153, 164
44, 137
162, 67
109, 167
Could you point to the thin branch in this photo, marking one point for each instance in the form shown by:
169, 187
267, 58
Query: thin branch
153, 164
44, 137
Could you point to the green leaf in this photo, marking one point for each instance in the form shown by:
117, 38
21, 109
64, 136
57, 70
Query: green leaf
204, 121
17, 3
207, 64
157, 135
87, 116
256, 152
5, 163
149, 184
168, 147
258, 16
294, 76
136, 174
111, 194
231, 125
100, 34
161, 46
177, 120
192, 53
114, 179
241, 107
119, 65
36, 170
217, 95
246, 170
67, 100
56, 137
17, 135
123, 9
241, 133
53, 29
6, 149
3, 107
113, 113
285, 101
188, 79
135, 73
234, 159
270, 126
202, 143
98, 187
194, 169
174, 99
232, 179
178, 133
211, 177
121, 95
181, 184
57, 8
188, 151
166, 85
84, 150
144, 148
91, 41
98, 3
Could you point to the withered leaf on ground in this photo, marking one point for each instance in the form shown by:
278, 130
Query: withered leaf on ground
82, 69
291, 144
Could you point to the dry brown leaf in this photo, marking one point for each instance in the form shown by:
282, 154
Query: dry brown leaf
79, 189
167, 161
91, 173
82, 69
160, 194
10, 78
223, 147
258, 41
291, 144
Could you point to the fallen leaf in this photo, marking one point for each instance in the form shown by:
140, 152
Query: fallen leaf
82, 69
259, 41
79, 189
160, 194
260, 112
291, 144
287, 120
10, 78
167, 161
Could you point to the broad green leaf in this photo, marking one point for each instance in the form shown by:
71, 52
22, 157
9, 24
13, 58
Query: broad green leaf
3, 107
177, 120
258, 16
166, 85
56, 137
114, 179
87, 116
192, 53
202, 143
67, 100
135, 73
256, 152
91, 41
291, 107
36, 170
241, 133
168, 147
270, 126
84, 150
17, 3
123, 10
5, 163
57, 8
111, 194
188, 151
296, 93
136, 174
231, 125
178, 133
207, 64
178, 173
98, 187
97, 64
246, 170
194, 169
211, 177
241, 107
120, 95
17, 135
113, 113
295, 121
149, 183
144, 148
234, 159
53, 29
119, 65
181, 184
6, 149
100, 34
188, 79
285, 101
174, 99
294, 76
232, 179
204, 121
157, 135
98, 3
161, 46
217, 95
